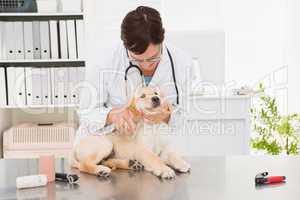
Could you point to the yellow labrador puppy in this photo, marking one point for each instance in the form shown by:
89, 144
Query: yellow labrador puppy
96, 154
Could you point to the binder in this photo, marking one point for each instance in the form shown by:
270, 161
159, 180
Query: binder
36, 40
16, 86
46, 86
10, 85
80, 39
29, 54
2, 88
65, 86
45, 72
80, 79
54, 93
60, 93
20, 94
19, 40
81, 74
28, 40
19, 91
10, 40
73, 81
71, 39
63, 39
28, 84
2, 44
72, 71
36, 86
44, 38
53, 39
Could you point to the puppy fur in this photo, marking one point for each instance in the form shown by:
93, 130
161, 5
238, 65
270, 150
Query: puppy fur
145, 149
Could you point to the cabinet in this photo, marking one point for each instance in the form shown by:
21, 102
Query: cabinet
215, 126
47, 60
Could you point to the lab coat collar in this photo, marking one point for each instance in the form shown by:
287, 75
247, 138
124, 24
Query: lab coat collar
163, 68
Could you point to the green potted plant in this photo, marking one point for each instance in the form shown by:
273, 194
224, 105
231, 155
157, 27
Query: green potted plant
273, 133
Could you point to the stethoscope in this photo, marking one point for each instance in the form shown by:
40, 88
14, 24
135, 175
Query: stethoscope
132, 66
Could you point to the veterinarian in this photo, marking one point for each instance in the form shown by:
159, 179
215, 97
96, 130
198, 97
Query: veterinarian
142, 58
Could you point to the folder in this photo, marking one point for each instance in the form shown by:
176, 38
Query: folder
46, 86
36, 40
11, 85
10, 40
71, 34
28, 40
54, 93
19, 40
45, 72
29, 54
73, 81
16, 86
45, 40
36, 86
80, 39
2, 88
65, 85
63, 39
53, 39
80, 75
28, 83
60, 93
2, 44
20, 94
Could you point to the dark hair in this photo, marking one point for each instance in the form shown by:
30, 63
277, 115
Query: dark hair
141, 27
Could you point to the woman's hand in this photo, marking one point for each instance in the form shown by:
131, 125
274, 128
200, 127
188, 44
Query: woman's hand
123, 119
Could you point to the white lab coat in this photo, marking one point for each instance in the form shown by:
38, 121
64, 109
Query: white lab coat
105, 87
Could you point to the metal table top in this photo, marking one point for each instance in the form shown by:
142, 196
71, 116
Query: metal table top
211, 178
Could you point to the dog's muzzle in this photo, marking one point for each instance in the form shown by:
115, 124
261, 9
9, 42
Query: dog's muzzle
155, 101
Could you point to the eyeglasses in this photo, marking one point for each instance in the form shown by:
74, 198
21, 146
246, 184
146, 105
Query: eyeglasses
149, 60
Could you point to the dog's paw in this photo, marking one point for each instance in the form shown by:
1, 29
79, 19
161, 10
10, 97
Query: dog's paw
135, 165
164, 172
182, 166
102, 171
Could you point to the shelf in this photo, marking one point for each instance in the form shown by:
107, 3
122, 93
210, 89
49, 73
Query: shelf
40, 106
39, 16
43, 63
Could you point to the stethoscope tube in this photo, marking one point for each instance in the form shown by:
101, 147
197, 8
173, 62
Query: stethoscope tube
174, 77
131, 65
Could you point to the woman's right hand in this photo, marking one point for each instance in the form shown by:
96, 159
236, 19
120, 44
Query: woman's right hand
123, 119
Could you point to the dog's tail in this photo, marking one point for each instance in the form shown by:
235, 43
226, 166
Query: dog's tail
73, 159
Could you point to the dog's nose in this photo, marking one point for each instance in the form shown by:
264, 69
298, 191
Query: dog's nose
156, 101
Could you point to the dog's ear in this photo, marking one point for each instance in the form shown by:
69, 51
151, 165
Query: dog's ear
133, 108
132, 103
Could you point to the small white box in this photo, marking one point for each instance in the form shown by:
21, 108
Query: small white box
69, 6
46, 6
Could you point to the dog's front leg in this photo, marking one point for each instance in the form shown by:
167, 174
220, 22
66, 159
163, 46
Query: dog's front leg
172, 159
153, 163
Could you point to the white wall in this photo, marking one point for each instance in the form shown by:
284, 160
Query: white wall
255, 38
192, 14
293, 36
256, 35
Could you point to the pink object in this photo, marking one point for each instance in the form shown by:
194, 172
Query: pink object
47, 166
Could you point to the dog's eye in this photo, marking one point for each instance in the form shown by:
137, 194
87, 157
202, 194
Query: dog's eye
143, 96
155, 93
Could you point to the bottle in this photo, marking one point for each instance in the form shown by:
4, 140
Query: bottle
31, 181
